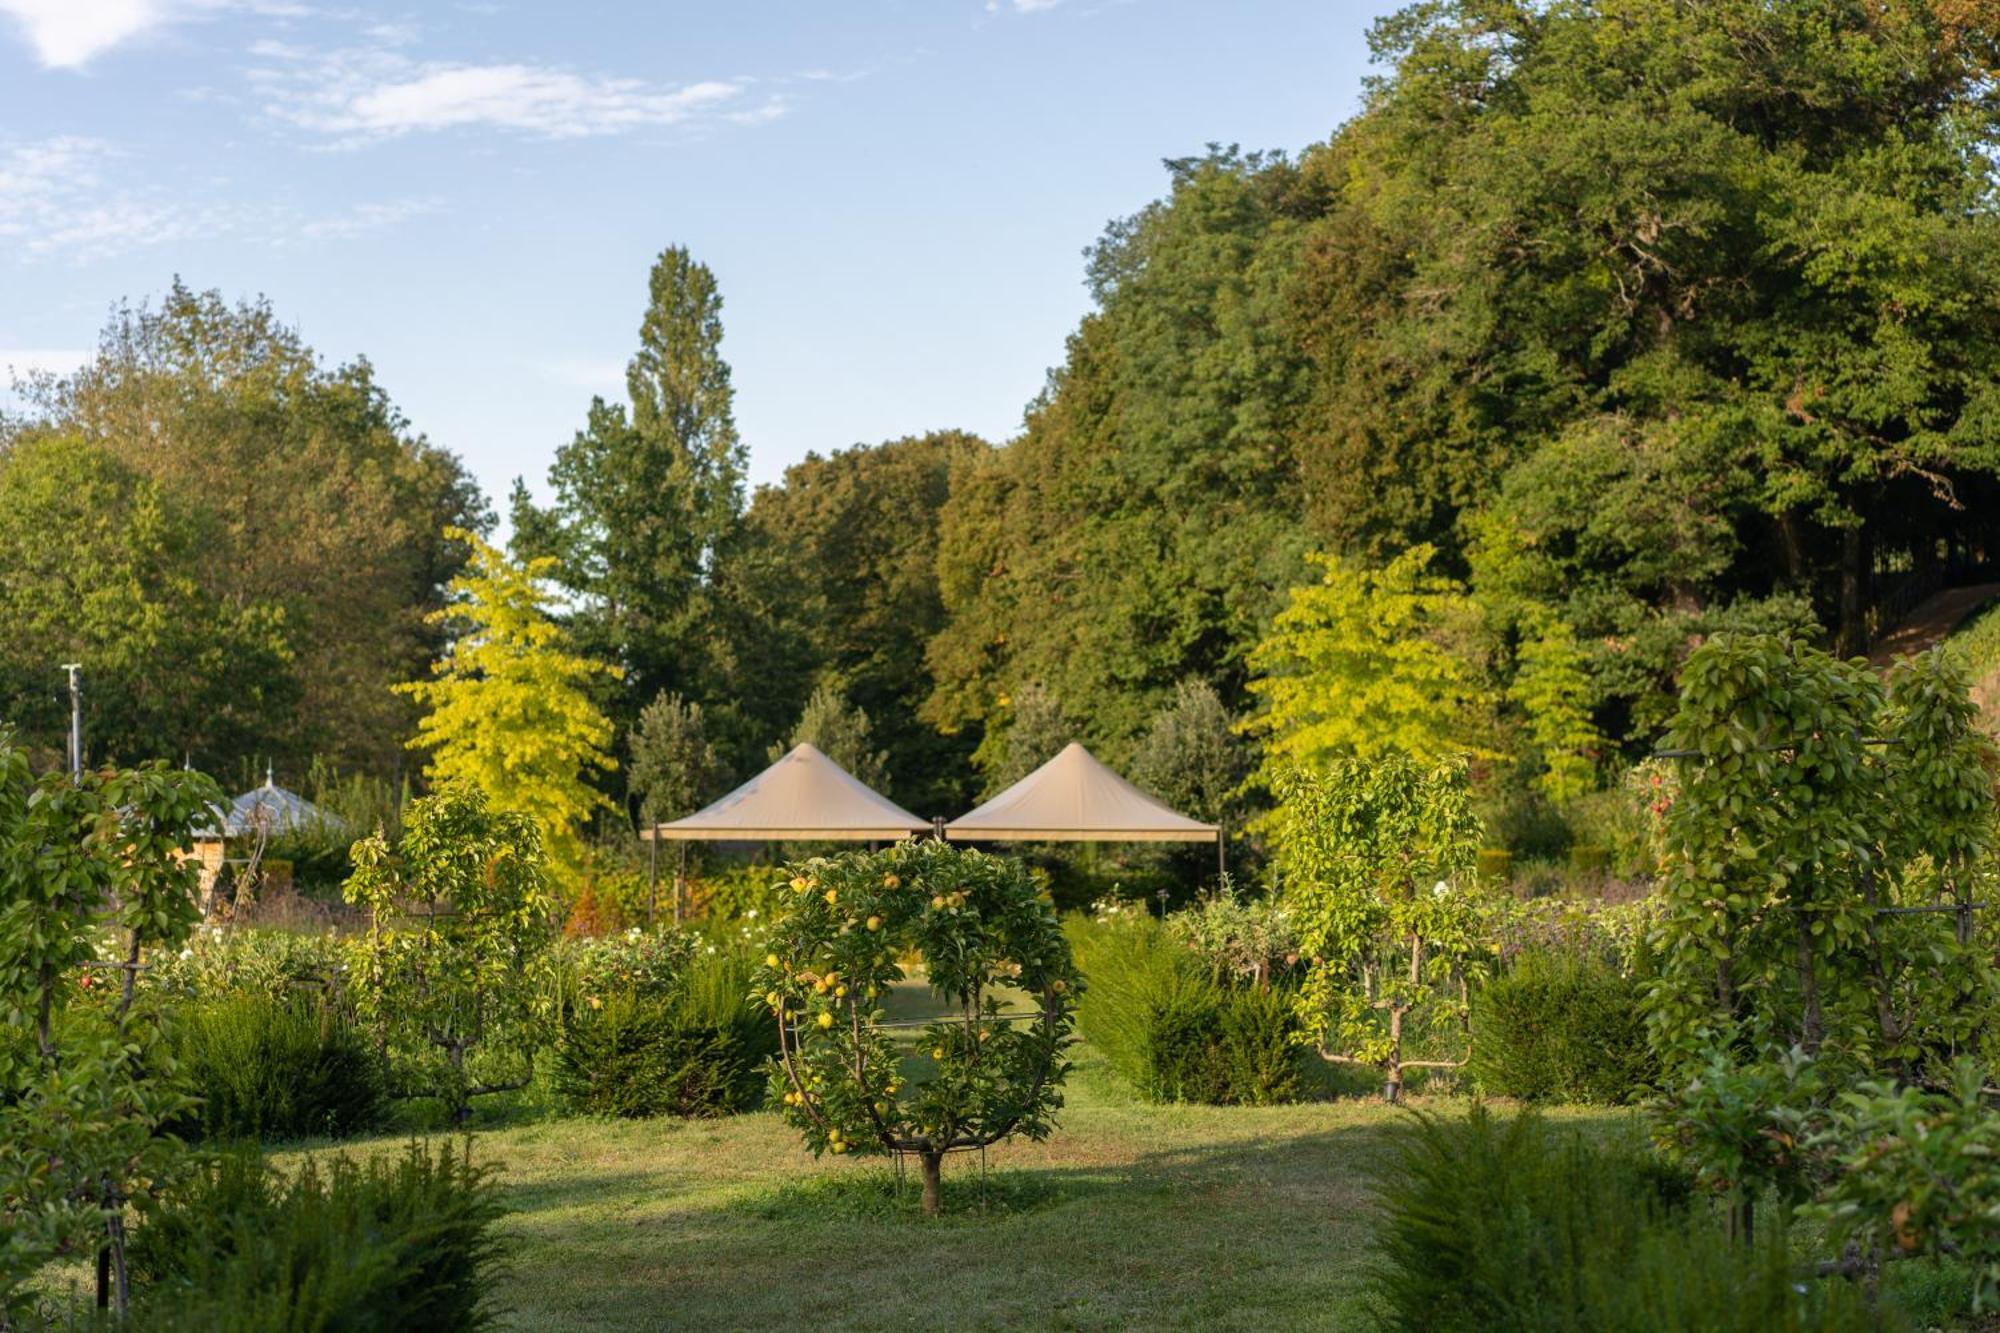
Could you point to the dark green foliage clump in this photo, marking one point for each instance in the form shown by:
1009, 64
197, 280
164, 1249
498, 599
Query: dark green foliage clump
1173, 1030
696, 1050
1556, 1028
1496, 1227
276, 1068
393, 1243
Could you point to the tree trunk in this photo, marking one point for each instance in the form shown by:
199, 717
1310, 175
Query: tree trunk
1853, 633
1811, 1025
1392, 1090
933, 1164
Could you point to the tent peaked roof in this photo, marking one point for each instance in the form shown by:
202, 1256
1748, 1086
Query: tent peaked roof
803, 796
1074, 798
269, 808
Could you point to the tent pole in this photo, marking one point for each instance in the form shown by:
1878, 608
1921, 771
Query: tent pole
1221, 854
680, 882
652, 875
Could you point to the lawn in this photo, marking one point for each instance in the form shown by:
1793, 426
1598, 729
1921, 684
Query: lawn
1183, 1216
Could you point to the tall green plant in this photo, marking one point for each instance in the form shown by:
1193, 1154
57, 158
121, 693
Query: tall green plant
94, 878
456, 958
1377, 859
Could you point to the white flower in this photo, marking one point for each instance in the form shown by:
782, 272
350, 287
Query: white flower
750, 915
186, 954
1440, 889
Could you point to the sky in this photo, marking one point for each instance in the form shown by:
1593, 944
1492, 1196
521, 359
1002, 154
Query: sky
894, 194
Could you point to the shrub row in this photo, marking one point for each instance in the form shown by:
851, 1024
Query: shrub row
239, 1247
1174, 1031
694, 1047
276, 1067
1558, 1027
1501, 1227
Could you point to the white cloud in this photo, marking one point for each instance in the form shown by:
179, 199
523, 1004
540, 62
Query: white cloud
358, 95
362, 219
72, 198
68, 34
1022, 6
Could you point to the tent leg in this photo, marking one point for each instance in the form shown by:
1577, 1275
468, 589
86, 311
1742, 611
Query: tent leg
652, 876
1221, 856
680, 883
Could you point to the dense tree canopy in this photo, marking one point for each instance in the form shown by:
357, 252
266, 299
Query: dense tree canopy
646, 495
280, 494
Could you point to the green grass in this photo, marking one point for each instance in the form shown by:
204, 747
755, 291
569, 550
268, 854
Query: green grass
1132, 1215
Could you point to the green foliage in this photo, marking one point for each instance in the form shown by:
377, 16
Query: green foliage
1377, 859
1244, 940
1144, 527
1791, 831
172, 670
1026, 730
272, 1067
1174, 1030
1561, 1028
980, 926
391, 1242
833, 580
509, 710
1520, 1226
646, 498
840, 731
1914, 1174
673, 770
696, 1047
94, 880
284, 541
457, 952
1555, 691
1368, 663
1191, 756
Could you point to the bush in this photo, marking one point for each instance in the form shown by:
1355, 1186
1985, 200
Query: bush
397, 1242
693, 1049
1561, 1028
1171, 1029
277, 1068
1495, 1228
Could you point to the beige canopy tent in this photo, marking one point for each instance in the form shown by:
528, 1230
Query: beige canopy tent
1074, 798
804, 797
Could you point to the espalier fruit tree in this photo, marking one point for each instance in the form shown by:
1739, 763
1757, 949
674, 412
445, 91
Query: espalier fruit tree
980, 927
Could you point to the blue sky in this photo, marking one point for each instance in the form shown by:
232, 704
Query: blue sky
894, 196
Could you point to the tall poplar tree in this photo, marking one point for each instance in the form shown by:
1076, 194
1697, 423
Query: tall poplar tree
647, 493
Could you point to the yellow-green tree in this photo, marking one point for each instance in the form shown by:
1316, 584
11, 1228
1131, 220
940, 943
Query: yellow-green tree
508, 709
1368, 663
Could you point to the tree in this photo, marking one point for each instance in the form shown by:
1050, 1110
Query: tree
1376, 856
1817, 927
1035, 731
1145, 526
1553, 688
834, 576
1369, 664
979, 924
456, 959
297, 487
1736, 253
842, 733
86, 1096
646, 496
673, 768
1192, 756
509, 709
97, 566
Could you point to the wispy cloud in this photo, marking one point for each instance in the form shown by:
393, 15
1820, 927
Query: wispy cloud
359, 95
25, 363
74, 198
68, 34
1021, 6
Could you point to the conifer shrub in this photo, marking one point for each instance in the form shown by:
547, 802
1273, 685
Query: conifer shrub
1562, 1028
239, 1246
1174, 1030
276, 1067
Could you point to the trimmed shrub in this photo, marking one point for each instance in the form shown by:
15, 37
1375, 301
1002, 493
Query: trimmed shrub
695, 1049
1171, 1029
1561, 1028
1503, 1227
395, 1242
276, 1068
